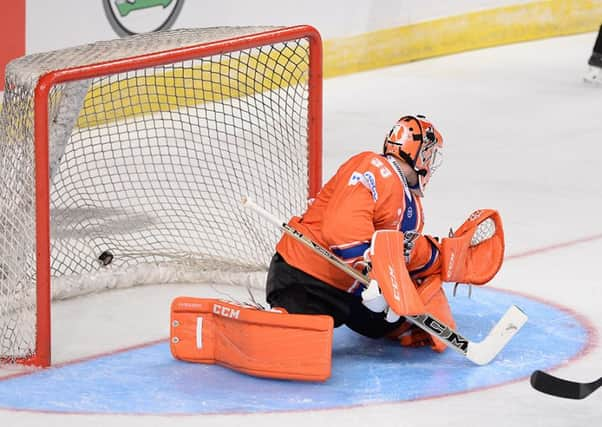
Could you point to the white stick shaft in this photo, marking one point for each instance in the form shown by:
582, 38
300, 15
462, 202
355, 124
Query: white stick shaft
247, 202
329, 256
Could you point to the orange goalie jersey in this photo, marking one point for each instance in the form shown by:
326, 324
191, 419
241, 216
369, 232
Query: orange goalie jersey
367, 193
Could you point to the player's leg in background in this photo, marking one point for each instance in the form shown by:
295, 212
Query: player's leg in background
594, 73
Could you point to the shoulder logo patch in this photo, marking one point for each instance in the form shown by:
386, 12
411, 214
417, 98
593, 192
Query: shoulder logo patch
367, 179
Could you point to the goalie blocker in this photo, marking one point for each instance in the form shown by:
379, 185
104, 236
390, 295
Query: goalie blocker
271, 344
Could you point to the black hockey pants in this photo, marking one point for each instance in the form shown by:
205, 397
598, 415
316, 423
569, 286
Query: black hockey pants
300, 293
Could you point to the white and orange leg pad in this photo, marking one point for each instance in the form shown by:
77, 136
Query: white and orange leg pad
257, 342
436, 304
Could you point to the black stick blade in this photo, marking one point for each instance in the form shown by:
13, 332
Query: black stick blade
549, 384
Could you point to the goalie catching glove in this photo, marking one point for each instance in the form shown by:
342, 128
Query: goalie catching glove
474, 253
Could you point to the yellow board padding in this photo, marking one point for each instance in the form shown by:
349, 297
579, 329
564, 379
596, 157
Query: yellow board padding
368, 51
234, 77
475, 30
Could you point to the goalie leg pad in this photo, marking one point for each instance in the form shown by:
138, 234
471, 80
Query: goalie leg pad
436, 304
262, 343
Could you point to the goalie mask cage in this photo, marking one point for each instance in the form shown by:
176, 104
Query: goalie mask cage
143, 147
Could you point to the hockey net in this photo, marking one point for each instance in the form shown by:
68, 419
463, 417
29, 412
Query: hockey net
142, 148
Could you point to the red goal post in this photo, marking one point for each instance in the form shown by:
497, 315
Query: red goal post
178, 132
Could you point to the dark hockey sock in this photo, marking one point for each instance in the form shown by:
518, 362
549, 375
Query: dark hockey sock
596, 59
598, 45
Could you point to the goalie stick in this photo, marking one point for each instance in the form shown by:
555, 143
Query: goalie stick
479, 353
555, 386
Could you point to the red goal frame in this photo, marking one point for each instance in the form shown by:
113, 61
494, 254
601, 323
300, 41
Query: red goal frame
42, 355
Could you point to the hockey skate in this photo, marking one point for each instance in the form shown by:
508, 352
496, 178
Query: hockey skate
594, 72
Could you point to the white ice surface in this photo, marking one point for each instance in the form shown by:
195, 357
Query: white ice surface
523, 134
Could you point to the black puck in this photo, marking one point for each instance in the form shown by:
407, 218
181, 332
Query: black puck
106, 258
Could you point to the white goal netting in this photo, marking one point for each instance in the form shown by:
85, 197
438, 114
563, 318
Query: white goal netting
149, 163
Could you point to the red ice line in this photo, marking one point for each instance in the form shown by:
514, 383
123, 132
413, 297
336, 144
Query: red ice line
554, 247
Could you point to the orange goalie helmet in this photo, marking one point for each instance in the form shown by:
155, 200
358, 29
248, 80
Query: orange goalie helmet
415, 140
